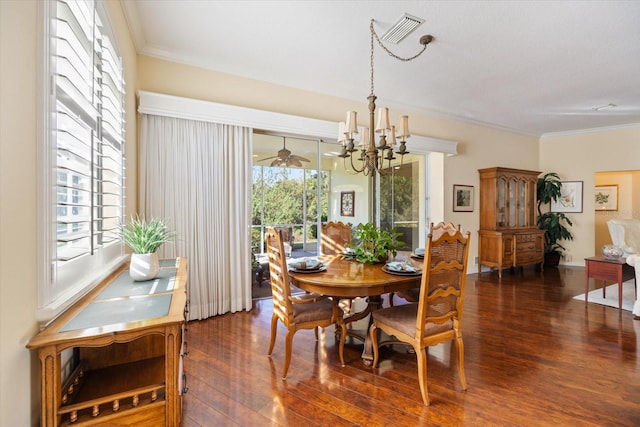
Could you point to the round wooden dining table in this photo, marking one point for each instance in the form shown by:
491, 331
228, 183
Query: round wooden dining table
348, 278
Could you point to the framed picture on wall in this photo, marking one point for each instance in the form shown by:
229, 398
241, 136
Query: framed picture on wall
606, 197
462, 198
347, 203
570, 199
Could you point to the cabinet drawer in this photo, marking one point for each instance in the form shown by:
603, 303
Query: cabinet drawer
528, 258
528, 242
526, 247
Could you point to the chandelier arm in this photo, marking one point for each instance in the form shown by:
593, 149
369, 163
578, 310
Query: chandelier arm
354, 166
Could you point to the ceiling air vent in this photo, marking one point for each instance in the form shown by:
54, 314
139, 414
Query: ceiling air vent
402, 28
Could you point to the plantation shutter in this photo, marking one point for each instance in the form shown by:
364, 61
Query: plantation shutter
89, 125
82, 153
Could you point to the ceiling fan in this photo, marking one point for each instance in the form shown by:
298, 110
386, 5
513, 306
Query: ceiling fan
285, 158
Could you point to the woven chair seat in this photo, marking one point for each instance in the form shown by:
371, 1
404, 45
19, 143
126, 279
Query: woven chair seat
403, 318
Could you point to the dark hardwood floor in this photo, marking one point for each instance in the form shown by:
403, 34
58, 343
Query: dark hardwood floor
533, 357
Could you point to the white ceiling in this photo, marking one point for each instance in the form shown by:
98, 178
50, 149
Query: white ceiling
534, 67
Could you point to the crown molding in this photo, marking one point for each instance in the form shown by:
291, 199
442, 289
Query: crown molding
591, 130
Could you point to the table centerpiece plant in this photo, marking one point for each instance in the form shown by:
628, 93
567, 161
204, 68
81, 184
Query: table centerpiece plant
144, 238
374, 245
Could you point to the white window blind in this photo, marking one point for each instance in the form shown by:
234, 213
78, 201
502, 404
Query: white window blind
83, 160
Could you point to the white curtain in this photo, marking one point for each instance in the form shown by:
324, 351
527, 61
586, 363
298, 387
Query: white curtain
197, 176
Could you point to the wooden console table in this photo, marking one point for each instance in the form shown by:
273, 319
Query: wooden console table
612, 270
125, 342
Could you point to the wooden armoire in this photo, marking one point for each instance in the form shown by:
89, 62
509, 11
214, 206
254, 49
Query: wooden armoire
508, 236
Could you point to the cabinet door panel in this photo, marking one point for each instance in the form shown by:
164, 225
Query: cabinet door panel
513, 202
501, 202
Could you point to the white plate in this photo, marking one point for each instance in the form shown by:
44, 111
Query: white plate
402, 273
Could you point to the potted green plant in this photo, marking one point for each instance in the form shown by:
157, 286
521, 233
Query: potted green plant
554, 224
374, 245
144, 238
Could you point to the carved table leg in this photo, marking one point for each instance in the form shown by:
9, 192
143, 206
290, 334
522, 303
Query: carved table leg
373, 303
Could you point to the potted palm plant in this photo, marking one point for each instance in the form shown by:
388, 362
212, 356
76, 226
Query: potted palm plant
374, 244
554, 224
144, 238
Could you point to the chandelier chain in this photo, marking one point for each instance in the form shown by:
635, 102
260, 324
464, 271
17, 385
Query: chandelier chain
400, 58
371, 57
393, 55
372, 156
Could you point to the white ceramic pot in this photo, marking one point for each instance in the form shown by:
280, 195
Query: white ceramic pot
144, 266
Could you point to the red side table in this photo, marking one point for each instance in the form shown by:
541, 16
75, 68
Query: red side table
607, 270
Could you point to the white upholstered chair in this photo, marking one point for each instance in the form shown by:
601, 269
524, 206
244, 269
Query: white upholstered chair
634, 261
625, 233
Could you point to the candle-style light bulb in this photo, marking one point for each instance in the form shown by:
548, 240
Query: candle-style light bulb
404, 127
383, 121
391, 138
341, 133
351, 126
364, 138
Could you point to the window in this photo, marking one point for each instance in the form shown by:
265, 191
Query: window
82, 155
287, 196
400, 201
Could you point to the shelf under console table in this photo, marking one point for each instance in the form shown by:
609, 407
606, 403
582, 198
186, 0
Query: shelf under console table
128, 341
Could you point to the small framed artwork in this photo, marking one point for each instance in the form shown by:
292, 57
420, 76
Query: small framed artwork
347, 203
462, 198
570, 199
606, 197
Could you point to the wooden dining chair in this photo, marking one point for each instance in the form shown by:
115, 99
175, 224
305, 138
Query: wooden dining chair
307, 311
335, 237
413, 294
437, 316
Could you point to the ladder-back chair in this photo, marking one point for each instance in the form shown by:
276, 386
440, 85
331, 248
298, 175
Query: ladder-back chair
308, 311
335, 237
437, 316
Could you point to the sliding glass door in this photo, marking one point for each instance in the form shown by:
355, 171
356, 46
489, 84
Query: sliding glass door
400, 201
299, 184
289, 191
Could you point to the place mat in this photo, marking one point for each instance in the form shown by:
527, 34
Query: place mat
125, 286
112, 312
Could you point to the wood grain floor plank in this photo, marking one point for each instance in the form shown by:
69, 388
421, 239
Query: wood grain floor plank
534, 356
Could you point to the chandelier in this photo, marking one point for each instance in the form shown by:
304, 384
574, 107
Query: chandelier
373, 156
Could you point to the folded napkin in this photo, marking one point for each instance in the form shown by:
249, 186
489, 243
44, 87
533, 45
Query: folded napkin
305, 264
401, 266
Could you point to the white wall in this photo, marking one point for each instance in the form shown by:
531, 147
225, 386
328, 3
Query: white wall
577, 157
628, 183
18, 263
19, 367
342, 181
478, 146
